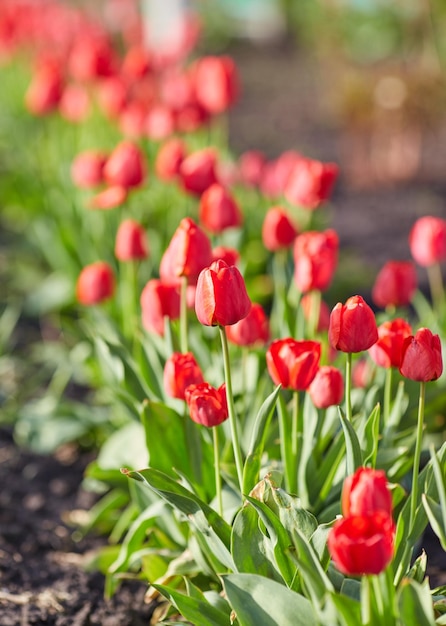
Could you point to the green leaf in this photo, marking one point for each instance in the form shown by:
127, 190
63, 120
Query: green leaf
195, 609
291, 513
415, 604
353, 449
371, 436
436, 519
316, 581
251, 468
257, 601
348, 610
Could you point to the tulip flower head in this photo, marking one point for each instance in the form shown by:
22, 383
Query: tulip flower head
221, 297
251, 330
395, 284
218, 209
215, 83
421, 357
169, 158
207, 405
95, 283
293, 364
159, 299
188, 252
278, 230
125, 166
366, 492
198, 171
327, 387
181, 371
87, 169
352, 326
131, 241
310, 183
387, 351
427, 240
315, 259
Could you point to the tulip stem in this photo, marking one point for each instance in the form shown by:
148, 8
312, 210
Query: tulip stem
128, 298
294, 439
417, 456
436, 286
348, 387
285, 444
315, 311
387, 394
183, 316
231, 410
366, 601
217, 470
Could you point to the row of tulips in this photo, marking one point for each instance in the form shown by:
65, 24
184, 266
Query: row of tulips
283, 481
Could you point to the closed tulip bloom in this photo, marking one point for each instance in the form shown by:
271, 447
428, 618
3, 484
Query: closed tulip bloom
215, 82
125, 166
293, 364
327, 387
91, 57
112, 94
395, 284
188, 252
198, 171
387, 351
218, 209
310, 183
315, 259
352, 326
95, 283
251, 165
421, 357
159, 123
169, 158
109, 198
159, 299
230, 256
87, 169
221, 297
45, 90
366, 492
74, 105
251, 330
131, 241
278, 230
181, 371
362, 545
427, 240
207, 405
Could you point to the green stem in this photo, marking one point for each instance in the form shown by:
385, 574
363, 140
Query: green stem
366, 601
417, 456
285, 444
217, 471
128, 299
183, 316
315, 310
348, 387
436, 286
387, 394
295, 440
230, 400
193, 442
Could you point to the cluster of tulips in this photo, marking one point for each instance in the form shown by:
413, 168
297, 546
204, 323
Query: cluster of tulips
285, 482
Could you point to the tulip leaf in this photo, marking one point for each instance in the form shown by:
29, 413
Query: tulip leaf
415, 604
196, 609
371, 437
251, 468
182, 499
257, 600
348, 609
436, 518
316, 580
353, 449
250, 548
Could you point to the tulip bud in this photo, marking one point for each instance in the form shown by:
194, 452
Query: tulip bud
218, 210
352, 326
159, 299
293, 364
131, 241
230, 256
427, 240
87, 169
207, 405
221, 297
278, 230
188, 252
315, 259
74, 105
395, 284
125, 166
251, 165
251, 330
327, 387
169, 159
109, 198
387, 351
421, 357
215, 83
181, 371
310, 183
45, 90
95, 283
198, 171
366, 492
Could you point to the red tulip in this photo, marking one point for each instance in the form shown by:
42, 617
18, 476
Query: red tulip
218, 209
387, 351
427, 240
230, 256
198, 171
131, 241
251, 330
207, 405
136, 62
395, 284
276, 173
91, 57
221, 297
95, 283
421, 357
109, 198
181, 371
327, 387
362, 545
112, 94
159, 123
251, 165
278, 230
188, 252
366, 492
159, 299
169, 159
352, 326
87, 168
125, 166
74, 104
293, 364
45, 90
315, 259
215, 83
310, 183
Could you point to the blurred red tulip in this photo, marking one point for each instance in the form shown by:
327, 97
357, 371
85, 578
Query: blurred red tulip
215, 81
352, 326
169, 158
198, 171
45, 90
366, 492
278, 230
131, 241
421, 357
159, 123
188, 252
293, 364
87, 169
252, 330
74, 104
395, 284
221, 297
125, 166
159, 300
310, 183
109, 198
181, 371
427, 240
327, 387
315, 259
251, 165
95, 283
230, 256
387, 351
218, 209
